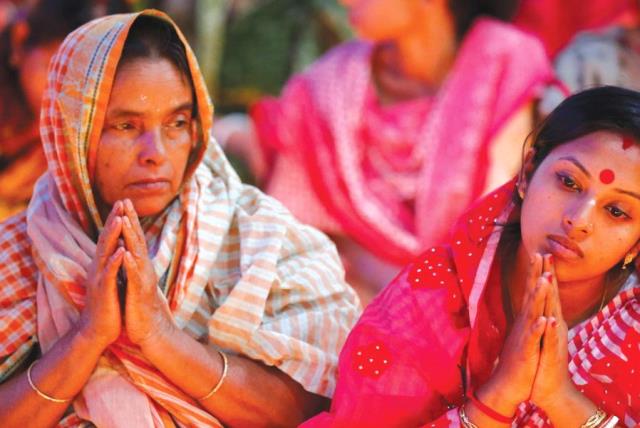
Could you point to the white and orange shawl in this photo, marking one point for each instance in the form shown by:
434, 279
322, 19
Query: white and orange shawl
250, 279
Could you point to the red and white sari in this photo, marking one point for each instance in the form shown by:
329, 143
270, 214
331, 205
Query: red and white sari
438, 329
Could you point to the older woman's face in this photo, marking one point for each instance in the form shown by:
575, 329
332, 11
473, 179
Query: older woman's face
583, 205
147, 136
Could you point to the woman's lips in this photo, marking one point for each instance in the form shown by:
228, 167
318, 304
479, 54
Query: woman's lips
563, 247
152, 185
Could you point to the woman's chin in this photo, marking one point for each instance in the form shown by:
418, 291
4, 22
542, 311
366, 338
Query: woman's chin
149, 207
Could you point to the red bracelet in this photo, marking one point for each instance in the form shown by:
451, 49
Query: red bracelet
489, 411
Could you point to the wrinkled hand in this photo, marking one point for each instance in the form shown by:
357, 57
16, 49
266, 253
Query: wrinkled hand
552, 380
100, 319
147, 314
520, 357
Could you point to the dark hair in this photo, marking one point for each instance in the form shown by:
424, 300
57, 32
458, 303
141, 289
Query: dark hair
606, 108
155, 38
466, 11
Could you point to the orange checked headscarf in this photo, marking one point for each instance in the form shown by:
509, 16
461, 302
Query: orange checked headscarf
248, 278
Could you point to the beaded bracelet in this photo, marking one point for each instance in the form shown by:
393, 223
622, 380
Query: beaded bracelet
40, 393
489, 411
225, 367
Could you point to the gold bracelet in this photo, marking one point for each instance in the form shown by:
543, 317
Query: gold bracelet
225, 367
40, 393
595, 419
466, 422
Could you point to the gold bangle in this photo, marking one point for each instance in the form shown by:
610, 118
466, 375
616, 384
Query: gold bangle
595, 419
40, 393
225, 367
466, 422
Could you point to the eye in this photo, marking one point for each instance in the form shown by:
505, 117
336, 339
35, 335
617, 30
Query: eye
616, 212
179, 123
568, 182
124, 126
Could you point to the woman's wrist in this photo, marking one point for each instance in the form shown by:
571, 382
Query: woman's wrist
568, 397
497, 395
164, 333
85, 334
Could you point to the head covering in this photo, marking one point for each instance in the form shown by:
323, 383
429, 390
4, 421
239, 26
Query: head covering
248, 277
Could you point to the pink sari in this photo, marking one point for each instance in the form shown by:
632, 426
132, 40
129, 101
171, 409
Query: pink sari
438, 328
394, 177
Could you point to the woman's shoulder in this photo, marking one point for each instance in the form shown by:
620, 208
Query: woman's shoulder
15, 248
503, 35
425, 289
18, 270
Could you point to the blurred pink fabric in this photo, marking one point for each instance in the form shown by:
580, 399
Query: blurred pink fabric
394, 178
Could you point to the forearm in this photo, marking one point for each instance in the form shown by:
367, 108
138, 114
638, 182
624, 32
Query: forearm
60, 373
252, 394
570, 409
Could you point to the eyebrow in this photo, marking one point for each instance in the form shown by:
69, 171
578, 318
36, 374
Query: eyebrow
577, 164
628, 192
124, 112
583, 169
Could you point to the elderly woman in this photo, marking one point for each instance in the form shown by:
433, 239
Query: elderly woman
145, 285
529, 315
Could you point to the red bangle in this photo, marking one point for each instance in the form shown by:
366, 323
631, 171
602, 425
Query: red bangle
489, 411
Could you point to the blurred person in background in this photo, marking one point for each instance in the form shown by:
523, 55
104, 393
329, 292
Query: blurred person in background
27, 44
605, 56
387, 138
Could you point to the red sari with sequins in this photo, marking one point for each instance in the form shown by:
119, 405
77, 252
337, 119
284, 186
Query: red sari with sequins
438, 329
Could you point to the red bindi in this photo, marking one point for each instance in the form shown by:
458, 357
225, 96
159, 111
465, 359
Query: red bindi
607, 176
626, 142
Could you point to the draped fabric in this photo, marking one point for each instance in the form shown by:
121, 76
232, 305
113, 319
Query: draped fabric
250, 279
437, 330
555, 22
394, 178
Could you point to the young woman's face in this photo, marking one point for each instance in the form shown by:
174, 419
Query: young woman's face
147, 136
583, 205
380, 20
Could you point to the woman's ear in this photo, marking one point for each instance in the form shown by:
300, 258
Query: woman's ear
18, 36
194, 133
525, 171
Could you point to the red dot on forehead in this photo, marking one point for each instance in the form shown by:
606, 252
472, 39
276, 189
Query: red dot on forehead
607, 176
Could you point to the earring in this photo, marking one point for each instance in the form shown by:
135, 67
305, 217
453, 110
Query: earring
627, 259
520, 190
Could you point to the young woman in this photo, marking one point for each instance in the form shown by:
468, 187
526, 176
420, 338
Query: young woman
145, 285
362, 143
530, 314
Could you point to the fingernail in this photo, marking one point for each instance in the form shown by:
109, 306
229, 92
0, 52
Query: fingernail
554, 322
129, 204
549, 276
127, 223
